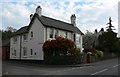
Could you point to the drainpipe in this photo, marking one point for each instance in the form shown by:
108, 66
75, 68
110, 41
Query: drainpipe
20, 45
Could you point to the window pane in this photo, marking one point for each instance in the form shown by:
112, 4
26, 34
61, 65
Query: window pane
14, 52
24, 51
51, 33
15, 39
25, 36
66, 34
31, 34
31, 51
56, 33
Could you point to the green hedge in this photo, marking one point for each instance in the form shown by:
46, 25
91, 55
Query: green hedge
58, 60
63, 59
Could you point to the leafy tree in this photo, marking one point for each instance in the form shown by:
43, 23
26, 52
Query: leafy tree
108, 40
89, 39
6, 34
11, 29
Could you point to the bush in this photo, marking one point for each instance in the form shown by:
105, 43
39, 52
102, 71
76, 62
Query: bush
100, 54
60, 60
60, 51
60, 46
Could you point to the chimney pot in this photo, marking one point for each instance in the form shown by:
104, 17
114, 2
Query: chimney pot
73, 19
39, 10
31, 16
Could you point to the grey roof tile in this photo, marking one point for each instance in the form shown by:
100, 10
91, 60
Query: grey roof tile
21, 31
49, 22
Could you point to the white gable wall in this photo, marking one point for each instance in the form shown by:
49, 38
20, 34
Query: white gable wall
36, 42
24, 43
15, 48
78, 41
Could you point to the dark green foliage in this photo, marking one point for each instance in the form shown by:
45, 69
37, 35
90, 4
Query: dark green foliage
60, 60
108, 41
6, 35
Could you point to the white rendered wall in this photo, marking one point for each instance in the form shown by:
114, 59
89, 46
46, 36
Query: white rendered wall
15, 46
37, 41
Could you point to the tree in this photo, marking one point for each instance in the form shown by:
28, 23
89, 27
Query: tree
11, 29
109, 28
6, 34
108, 39
89, 39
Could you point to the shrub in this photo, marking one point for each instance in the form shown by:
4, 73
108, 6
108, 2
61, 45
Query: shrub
100, 54
60, 51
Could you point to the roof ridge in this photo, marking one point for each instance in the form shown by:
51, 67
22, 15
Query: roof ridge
57, 20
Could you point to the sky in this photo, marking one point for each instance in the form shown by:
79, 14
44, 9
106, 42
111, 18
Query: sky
90, 14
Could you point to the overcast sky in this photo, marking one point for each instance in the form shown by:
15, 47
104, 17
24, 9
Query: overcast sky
90, 14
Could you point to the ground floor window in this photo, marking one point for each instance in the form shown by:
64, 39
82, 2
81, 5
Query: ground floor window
31, 52
14, 52
24, 51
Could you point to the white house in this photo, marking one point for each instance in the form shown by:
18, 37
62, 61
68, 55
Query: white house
119, 19
27, 42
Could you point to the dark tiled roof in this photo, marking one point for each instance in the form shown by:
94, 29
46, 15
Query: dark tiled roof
50, 22
55, 23
21, 31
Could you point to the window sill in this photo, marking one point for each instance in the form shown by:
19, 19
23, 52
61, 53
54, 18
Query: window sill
24, 56
31, 55
15, 56
25, 40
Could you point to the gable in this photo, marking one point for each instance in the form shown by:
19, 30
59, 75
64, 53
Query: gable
49, 22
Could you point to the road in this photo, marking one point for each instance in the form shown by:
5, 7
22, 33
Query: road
106, 67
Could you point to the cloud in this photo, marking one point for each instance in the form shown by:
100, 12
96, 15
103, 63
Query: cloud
15, 15
91, 14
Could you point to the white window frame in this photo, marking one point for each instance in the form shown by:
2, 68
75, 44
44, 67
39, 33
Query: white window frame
15, 53
66, 34
25, 37
31, 34
24, 51
31, 51
51, 33
15, 39
56, 33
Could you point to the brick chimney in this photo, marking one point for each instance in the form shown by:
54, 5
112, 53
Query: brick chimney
73, 19
39, 10
31, 16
